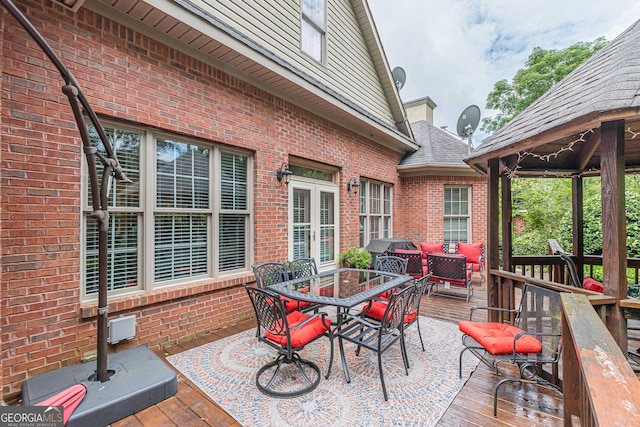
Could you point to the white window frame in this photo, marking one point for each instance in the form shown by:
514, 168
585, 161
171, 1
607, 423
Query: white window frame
380, 212
458, 214
146, 211
313, 26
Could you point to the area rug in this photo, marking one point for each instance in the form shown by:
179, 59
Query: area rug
225, 370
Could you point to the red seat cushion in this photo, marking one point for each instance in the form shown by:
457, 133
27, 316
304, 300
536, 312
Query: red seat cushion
430, 248
378, 308
473, 251
300, 336
592, 285
474, 267
497, 338
293, 305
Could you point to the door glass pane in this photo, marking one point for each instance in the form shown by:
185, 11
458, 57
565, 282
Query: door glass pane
301, 223
327, 227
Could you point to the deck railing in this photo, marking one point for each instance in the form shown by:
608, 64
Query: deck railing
593, 366
552, 268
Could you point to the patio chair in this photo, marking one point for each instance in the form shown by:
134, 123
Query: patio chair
270, 273
376, 336
390, 264
303, 267
415, 268
449, 271
412, 309
532, 342
288, 334
587, 282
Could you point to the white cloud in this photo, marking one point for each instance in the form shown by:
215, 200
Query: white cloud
455, 50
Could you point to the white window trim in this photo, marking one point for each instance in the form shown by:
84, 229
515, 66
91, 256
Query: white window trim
365, 185
470, 209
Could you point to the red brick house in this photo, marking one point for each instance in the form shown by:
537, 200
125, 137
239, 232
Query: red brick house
204, 103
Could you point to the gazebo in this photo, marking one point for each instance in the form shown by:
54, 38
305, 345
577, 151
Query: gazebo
586, 125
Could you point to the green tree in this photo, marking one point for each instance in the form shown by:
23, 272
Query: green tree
541, 203
543, 69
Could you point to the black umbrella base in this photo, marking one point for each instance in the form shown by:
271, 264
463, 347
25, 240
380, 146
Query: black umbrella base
138, 379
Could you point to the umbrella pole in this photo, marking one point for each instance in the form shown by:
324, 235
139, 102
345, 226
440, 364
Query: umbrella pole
99, 192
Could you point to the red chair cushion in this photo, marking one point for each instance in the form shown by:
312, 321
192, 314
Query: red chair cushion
473, 251
378, 308
592, 285
430, 248
497, 338
474, 267
300, 336
293, 305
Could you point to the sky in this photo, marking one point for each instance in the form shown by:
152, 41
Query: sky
454, 51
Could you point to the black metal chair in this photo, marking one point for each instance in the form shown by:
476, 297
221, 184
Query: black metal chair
412, 309
414, 262
391, 264
534, 340
449, 271
270, 273
376, 336
376, 309
303, 267
288, 334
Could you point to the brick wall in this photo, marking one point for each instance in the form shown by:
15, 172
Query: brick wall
128, 76
422, 207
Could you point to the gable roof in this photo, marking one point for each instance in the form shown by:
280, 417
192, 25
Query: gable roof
559, 127
440, 153
185, 25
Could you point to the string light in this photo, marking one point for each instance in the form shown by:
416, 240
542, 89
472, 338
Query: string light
512, 173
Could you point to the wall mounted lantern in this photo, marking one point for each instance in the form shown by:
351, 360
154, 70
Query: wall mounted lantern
352, 185
284, 173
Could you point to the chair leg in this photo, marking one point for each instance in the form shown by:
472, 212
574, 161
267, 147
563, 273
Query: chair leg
420, 333
495, 393
405, 358
345, 368
403, 350
384, 388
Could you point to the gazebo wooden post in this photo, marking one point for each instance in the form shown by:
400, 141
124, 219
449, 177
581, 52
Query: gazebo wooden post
577, 204
493, 251
614, 230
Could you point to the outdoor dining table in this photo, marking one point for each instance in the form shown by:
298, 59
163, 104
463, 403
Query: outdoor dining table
342, 288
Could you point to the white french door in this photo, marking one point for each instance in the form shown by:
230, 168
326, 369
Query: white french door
313, 222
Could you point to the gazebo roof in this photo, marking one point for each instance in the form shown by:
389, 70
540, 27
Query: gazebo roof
559, 132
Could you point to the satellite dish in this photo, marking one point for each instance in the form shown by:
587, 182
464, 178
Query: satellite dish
467, 123
399, 77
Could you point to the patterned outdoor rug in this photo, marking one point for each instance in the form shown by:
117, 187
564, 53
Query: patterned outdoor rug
225, 370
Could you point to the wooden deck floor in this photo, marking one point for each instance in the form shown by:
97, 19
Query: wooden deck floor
519, 405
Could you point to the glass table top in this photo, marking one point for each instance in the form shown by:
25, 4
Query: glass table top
344, 287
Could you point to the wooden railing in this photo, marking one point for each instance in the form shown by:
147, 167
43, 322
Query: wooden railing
593, 365
600, 388
553, 268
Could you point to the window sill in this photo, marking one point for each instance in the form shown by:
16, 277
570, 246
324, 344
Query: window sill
143, 299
